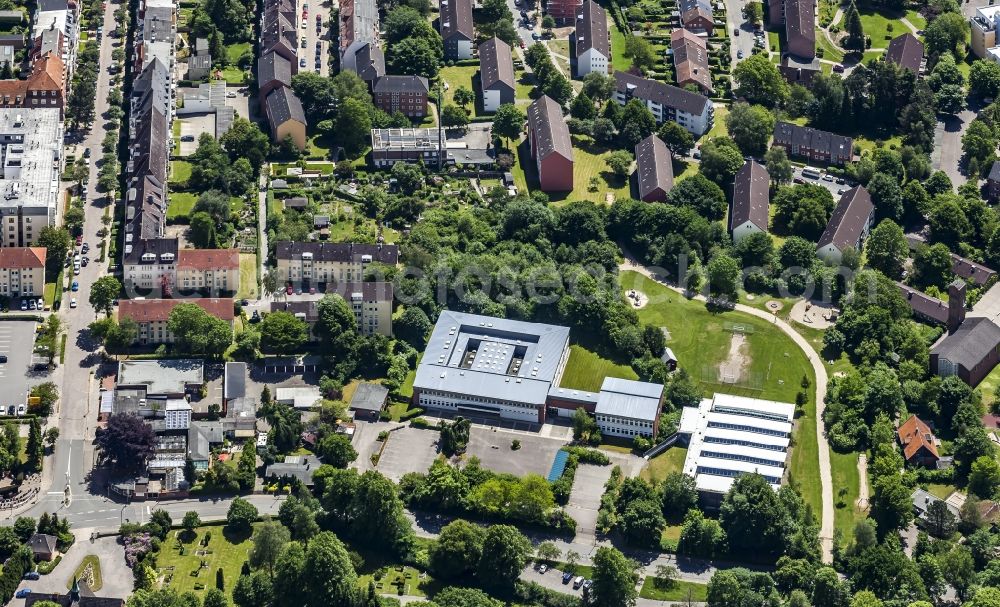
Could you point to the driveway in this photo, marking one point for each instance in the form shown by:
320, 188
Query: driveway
116, 577
947, 153
193, 126
736, 22
585, 499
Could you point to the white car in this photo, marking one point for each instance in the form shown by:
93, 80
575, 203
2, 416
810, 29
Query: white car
21, 409
76, 270
72, 302
231, 94
41, 303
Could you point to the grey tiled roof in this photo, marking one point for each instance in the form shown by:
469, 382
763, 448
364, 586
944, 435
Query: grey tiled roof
545, 119
283, 105
974, 341
496, 65
342, 252
664, 94
654, 166
401, 84
906, 51
592, 29
848, 219
455, 19
751, 196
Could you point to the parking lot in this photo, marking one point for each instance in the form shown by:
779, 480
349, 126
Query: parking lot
408, 450
17, 339
836, 185
193, 126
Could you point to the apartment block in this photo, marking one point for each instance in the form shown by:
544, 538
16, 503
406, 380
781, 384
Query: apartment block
22, 271
323, 265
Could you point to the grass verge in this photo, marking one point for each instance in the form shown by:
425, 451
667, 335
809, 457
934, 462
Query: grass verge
95, 583
673, 590
586, 370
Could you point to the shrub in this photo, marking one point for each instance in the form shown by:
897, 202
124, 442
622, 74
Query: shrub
588, 456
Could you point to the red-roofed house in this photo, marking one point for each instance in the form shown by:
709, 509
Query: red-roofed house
22, 271
215, 270
918, 442
152, 315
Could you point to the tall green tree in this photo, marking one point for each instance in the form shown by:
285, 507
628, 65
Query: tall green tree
246, 469
614, 579
504, 555
855, 29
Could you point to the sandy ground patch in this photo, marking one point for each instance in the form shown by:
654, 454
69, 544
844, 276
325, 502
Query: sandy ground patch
638, 299
813, 314
734, 368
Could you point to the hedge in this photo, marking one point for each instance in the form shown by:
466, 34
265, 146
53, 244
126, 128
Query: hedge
588, 456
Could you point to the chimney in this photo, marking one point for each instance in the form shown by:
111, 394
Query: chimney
956, 304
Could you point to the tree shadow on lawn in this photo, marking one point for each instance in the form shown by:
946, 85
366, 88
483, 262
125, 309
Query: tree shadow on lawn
236, 535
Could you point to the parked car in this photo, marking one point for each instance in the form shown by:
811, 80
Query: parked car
739, 54
31, 575
3, 358
828, 177
76, 269
86, 153
303, 42
24, 305
72, 302
302, 62
567, 576
31, 304
577, 582
839, 68
187, 137
543, 568
10, 410
736, 31
20, 411
231, 94
41, 303
76, 286
23, 593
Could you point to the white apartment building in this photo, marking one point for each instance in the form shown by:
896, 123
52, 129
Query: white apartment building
31, 163
314, 264
693, 111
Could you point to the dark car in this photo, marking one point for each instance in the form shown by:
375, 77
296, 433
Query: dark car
31, 575
3, 358
567, 576
23, 593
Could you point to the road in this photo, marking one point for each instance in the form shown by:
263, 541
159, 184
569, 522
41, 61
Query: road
312, 38
826, 479
736, 22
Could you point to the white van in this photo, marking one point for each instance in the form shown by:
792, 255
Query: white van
811, 173
577, 582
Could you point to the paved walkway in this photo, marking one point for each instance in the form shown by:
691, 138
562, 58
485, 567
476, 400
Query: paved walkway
826, 478
862, 481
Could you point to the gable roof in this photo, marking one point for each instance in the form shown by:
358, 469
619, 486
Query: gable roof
455, 19
971, 270
158, 310
789, 134
208, 259
42, 542
273, 67
970, 344
283, 105
664, 94
691, 58
496, 65
46, 74
369, 61
848, 219
923, 304
751, 196
800, 22
913, 435
692, 9
16, 258
654, 166
591, 29
906, 51
551, 135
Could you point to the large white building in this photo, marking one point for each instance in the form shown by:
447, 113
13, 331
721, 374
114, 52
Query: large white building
733, 435
494, 366
31, 162
984, 25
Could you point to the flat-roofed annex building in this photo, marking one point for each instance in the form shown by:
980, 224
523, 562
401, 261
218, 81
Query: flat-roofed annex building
493, 366
31, 149
628, 408
731, 435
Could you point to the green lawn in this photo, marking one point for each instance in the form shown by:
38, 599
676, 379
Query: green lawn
881, 27
248, 276
830, 51
719, 122
675, 590
846, 484
671, 460
462, 75
180, 171
916, 19
180, 204
49, 294
940, 491
586, 370
235, 51
523, 85
701, 340
234, 75
989, 386
589, 162
175, 128
389, 582
618, 59
181, 561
